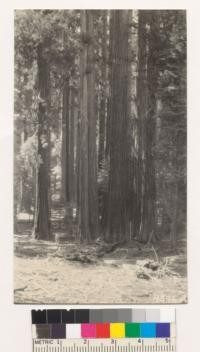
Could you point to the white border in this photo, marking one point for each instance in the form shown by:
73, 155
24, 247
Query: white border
15, 323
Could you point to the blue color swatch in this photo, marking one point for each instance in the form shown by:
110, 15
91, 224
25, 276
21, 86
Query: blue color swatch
163, 330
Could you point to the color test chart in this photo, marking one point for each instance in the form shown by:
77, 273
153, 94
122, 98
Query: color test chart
99, 330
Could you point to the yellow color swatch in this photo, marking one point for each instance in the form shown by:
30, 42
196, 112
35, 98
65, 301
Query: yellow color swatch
117, 330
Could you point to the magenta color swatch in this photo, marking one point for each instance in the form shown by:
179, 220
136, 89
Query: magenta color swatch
88, 330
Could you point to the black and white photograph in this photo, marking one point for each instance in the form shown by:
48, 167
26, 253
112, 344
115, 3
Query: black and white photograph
100, 156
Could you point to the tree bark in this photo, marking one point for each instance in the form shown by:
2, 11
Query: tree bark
92, 121
147, 89
41, 229
141, 110
88, 162
103, 97
109, 74
65, 144
118, 149
83, 185
71, 148
152, 86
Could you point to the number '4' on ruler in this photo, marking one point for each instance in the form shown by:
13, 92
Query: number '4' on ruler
105, 345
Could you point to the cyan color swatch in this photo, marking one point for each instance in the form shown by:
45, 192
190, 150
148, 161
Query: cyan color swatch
148, 330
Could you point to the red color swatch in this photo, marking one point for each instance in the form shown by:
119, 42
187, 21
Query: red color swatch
103, 330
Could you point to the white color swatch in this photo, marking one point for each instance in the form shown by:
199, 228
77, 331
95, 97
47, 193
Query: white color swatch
73, 331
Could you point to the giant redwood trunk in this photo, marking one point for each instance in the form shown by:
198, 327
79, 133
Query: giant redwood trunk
152, 87
68, 148
147, 89
41, 229
87, 176
92, 121
141, 110
118, 149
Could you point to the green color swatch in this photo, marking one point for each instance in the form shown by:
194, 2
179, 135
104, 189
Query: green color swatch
132, 329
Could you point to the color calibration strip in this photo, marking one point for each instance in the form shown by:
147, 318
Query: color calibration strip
103, 330
85, 316
103, 323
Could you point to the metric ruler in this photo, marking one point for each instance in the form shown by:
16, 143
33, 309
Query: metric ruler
105, 345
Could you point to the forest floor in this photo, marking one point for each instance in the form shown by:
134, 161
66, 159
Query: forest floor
70, 273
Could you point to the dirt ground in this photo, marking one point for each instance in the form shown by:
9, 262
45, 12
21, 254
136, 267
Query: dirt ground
50, 273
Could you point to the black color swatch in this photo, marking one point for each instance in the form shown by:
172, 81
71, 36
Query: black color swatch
39, 316
53, 316
68, 316
82, 316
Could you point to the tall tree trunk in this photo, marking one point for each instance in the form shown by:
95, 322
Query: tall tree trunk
147, 103
109, 75
88, 163
65, 144
118, 151
78, 178
41, 229
173, 236
152, 86
92, 120
71, 147
23, 176
103, 97
131, 138
83, 184
141, 110
76, 141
